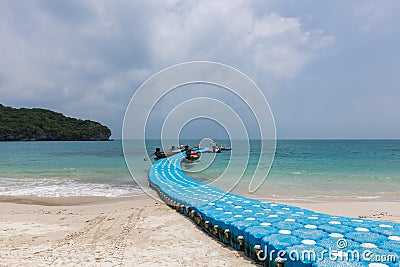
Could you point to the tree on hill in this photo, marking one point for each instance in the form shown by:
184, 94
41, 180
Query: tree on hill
45, 125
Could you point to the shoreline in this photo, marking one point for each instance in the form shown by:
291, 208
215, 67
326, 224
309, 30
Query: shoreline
374, 209
65, 200
52, 201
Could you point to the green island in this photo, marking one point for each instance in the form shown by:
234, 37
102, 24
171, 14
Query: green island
36, 124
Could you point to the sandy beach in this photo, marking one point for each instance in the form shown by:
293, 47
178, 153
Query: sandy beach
135, 232
138, 231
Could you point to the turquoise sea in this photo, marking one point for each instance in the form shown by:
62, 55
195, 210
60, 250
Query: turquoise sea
302, 169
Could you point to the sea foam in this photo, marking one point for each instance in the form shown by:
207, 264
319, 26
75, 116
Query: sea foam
44, 187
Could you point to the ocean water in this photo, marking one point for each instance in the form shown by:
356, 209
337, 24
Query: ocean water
309, 170
64, 169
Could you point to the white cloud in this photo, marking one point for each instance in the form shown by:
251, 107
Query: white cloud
86, 58
232, 33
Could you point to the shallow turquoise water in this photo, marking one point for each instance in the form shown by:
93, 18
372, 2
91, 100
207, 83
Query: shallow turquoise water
64, 168
302, 169
320, 169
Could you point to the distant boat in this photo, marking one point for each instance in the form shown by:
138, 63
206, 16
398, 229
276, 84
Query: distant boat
224, 148
214, 148
161, 154
191, 153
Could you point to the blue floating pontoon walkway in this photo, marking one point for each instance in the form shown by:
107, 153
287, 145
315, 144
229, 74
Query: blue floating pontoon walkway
275, 234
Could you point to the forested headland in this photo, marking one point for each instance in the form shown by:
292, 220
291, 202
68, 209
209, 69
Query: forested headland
36, 124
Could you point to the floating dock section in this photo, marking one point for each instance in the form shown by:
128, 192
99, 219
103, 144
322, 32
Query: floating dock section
274, 234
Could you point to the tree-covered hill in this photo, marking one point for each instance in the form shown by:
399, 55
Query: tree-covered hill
44, 125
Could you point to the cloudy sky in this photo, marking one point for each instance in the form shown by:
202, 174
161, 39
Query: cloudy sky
329, 69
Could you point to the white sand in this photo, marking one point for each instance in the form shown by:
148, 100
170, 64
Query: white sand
373, 210
134, 232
